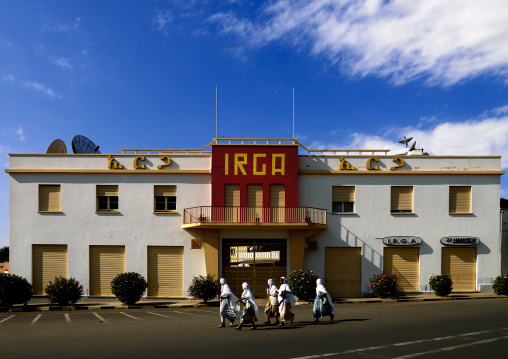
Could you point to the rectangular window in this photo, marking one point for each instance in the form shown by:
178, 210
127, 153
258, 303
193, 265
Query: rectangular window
49, 198
343, 199
460, 199
107, 198
402, 199
165, 198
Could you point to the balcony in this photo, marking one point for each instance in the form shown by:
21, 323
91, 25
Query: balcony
252, 218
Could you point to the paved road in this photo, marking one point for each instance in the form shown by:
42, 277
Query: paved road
466, 329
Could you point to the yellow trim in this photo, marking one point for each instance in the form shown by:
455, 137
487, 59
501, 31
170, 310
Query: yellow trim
344, 213
434, 173
107, 212
403, 214
385, 156
121, 172
49, 212
165, 212
459, 213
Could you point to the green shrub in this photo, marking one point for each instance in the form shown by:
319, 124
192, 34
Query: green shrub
441, 284
303, 284
383, 285
64, 291
128, 287
14, 290
501, 285
204, 288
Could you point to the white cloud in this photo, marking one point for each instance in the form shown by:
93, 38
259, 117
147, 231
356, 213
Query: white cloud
67, 27
63, 63
161, 19
444, 42
40, 88
20, 134
8, 78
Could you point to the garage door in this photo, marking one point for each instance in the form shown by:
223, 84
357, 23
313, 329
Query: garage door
165, 271
460, 265
48, 262
404, 263
343, 277
105, 263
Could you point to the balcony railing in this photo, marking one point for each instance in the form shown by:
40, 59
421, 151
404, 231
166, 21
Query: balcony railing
215, 214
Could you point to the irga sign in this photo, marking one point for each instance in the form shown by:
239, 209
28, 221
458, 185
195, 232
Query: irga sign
138, 163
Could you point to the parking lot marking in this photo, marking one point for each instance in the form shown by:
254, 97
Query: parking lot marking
67, 318
162, 315
199, 315
130, 316
36, 319
100, 318
3, 320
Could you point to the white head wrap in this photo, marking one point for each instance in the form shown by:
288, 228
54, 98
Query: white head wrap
285, 287
227, 294
223, 281
249, 297
320, 288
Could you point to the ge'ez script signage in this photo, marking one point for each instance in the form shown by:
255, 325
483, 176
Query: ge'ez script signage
402, 241
460, 241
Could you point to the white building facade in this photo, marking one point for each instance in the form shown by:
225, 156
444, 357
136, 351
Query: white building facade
254, 210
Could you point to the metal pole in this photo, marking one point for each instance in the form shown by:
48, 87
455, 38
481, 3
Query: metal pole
293, 112
216, 108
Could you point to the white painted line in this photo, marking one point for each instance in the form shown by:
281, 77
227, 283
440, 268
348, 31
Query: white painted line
130, 316
36, 319
162, 315
100, 318
441, 350
67, 318
199, 315
353, 351
3, 320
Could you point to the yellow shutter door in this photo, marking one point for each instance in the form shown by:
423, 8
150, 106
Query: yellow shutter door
460, 265
48, 262
402, 198
343, 194
49, 198
254, 202
460, 199
105, 263
404, 263
231, 202
343, 277
277, 199
165, 271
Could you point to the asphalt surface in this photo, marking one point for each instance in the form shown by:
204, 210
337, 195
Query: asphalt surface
437, 329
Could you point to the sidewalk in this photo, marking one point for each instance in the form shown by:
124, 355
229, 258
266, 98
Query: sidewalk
41, 305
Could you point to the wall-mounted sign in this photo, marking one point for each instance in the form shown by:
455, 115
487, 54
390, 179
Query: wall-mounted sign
196, 244
138, 163
460, 241
402, 241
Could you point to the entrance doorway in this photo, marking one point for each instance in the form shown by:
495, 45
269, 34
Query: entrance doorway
254, 262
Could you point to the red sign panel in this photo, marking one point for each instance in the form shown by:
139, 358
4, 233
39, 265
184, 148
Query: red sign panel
255, 164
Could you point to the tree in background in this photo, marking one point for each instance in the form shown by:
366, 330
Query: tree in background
4, 254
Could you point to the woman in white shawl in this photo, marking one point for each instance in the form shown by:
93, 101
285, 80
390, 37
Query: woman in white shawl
323, 305
286, 301
272, 305
228, 304
250, 313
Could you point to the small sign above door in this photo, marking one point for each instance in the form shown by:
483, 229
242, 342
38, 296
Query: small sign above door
402, 241
460, 241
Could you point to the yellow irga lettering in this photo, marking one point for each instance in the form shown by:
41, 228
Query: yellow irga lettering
239, 164
369, 167
255, 168
344, 165
226, 164
112, 163
282, 169
168, 162
136, 166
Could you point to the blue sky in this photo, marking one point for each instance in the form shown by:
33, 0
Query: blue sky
142, 74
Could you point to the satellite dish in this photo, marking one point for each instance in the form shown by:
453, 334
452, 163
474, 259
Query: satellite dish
406, 140
82, 144
57, 146
413, 146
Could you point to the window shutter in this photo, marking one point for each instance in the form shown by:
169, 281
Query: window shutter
343, 194
165, 191
107, 190
402, 198
49, 198
277, 195
254, 195
460, 199
232, 195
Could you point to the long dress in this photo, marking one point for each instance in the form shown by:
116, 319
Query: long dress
228, 304
323, 305
272, 305
286, 301
250, 312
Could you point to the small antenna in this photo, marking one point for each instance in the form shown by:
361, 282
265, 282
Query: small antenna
293, 112
216, 108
